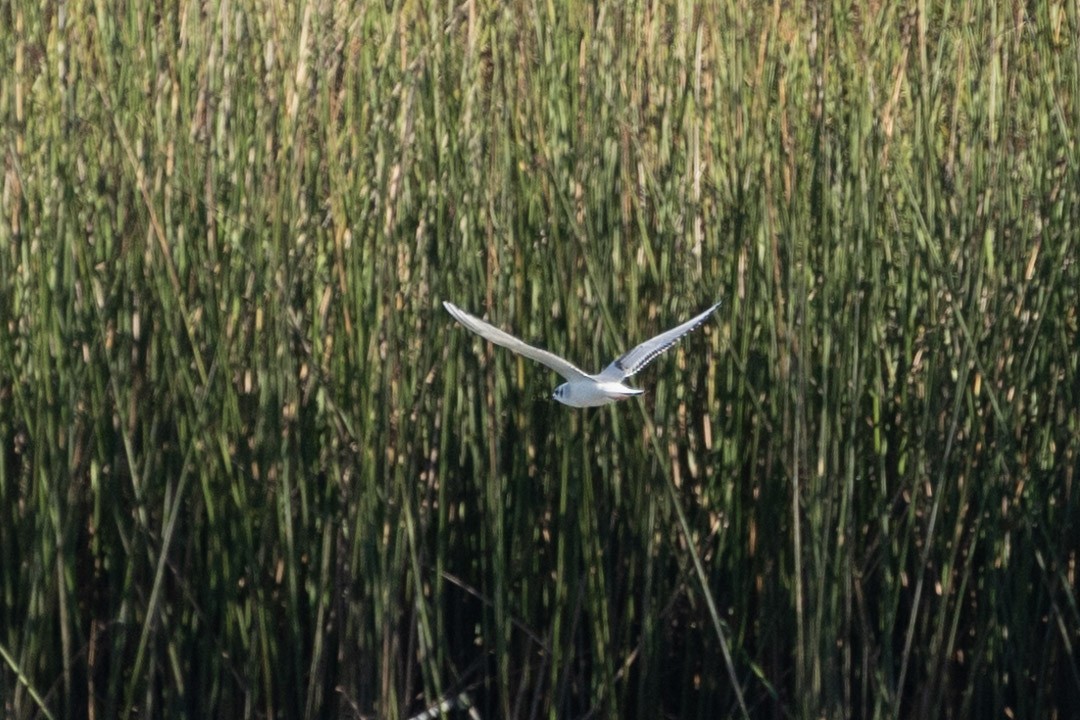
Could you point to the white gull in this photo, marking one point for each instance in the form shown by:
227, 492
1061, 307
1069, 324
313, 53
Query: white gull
582, 389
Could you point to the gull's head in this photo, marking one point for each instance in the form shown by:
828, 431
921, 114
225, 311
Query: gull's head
561, 392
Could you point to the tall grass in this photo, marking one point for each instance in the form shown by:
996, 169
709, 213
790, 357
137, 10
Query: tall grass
251, 469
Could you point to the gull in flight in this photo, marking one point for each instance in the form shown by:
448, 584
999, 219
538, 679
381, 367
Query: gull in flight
582, 389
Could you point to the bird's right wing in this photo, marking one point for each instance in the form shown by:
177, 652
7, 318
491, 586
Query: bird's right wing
637, 358
489, 332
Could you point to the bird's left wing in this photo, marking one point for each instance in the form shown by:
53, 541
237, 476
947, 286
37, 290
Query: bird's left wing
489, 332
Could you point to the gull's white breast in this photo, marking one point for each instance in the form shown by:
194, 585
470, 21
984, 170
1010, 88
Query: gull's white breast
590, 393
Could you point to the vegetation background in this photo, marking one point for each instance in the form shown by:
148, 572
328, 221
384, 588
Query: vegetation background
250, 468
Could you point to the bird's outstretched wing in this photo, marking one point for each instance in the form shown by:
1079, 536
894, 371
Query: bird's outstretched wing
489, 332
634, 360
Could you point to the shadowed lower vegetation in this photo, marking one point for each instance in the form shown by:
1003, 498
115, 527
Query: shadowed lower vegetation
250, 468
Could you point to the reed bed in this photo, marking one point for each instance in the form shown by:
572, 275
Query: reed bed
250, 468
